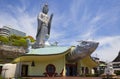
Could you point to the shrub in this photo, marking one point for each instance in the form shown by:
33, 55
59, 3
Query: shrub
117, 72
4, 39
31, 38
20, 42
15, 40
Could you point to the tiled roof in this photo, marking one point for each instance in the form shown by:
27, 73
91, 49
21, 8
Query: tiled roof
48, 50
117, 59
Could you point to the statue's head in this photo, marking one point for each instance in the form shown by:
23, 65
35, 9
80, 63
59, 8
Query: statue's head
45, 9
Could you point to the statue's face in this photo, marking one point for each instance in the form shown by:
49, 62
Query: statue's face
45, 9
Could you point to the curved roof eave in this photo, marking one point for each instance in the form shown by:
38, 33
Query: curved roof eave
64, 52
88, 61
48, 51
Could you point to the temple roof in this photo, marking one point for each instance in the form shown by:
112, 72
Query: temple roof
48, 51
44, 54
89, 62
117, 59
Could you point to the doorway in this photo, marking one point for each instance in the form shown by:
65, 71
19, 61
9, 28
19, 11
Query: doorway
24, 70
71, 70
0, 69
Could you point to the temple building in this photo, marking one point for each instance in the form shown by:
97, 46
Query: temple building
116, 64
51, 61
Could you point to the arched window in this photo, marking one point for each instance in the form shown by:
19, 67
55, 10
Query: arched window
50, 68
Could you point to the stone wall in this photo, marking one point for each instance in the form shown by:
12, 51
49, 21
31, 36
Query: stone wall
8, 53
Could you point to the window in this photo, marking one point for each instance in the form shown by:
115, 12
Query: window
50, 68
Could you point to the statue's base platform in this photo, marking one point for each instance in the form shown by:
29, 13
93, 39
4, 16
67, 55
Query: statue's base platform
61, 77
35, 46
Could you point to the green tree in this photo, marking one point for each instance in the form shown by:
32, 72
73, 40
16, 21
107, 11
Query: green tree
31, 38
20, 42
14, 37
23, 42
4, 39
16, 40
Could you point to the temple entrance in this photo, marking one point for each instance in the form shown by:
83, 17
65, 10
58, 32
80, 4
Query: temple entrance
24, 70
50, 70
71, 70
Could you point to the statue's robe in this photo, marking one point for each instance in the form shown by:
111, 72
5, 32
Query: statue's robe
43, 28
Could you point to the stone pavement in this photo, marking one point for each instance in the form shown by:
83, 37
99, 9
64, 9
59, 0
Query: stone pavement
63, 78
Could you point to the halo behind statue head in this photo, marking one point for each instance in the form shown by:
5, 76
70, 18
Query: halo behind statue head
45, 9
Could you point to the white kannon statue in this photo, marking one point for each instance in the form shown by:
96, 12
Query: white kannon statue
44, 25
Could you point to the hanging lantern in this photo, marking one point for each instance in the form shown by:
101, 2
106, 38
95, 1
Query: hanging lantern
33, 63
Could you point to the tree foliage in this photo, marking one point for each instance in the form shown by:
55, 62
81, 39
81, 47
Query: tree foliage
31, 38
16, 40
4, 39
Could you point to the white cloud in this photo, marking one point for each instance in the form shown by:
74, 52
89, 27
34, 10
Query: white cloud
109, 40
108, 48
6, 19
88, 26
21, 21
55, 35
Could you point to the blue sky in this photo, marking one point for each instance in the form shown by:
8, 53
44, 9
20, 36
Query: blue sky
73, 20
